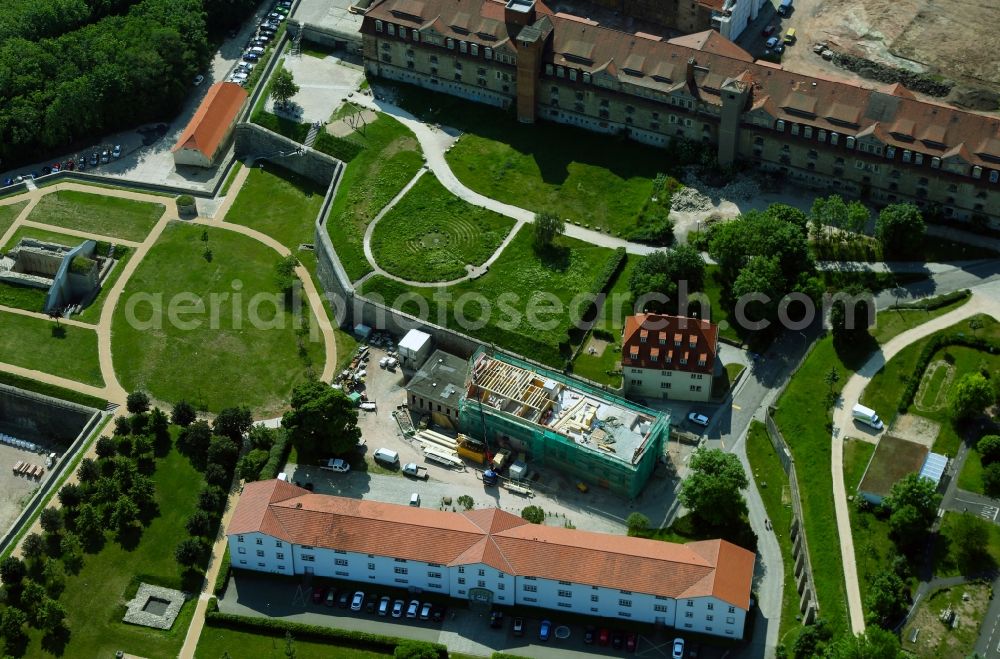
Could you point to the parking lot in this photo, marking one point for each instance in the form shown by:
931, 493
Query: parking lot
555, 492
463, 629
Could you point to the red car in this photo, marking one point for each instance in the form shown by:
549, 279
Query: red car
630, 640
318, 594
603, 636
768, 31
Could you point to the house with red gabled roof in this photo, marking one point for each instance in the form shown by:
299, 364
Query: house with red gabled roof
671, 357
492, 556
209, 130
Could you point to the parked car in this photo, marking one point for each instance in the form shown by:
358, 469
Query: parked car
383, 605
698, 419
8, 181
318, 593
496, 619
413, 609
768, 31
678, 649
358, 601
105, 157
517, 627
93, 159
397, 608
544, 630
70, 164
116, 152
437, 613
331, 597
46, 170
630, 641
588, 635
344, 600
603, 636
198, 79
425, 611
617, 640
250, 57
772, 42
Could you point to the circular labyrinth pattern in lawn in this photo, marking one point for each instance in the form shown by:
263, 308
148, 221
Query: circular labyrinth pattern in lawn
933, 392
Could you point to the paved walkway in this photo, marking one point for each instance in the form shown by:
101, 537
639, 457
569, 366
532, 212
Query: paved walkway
985, 299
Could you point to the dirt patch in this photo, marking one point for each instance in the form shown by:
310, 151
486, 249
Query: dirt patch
596, 347
916, 429
928, 635
351, 123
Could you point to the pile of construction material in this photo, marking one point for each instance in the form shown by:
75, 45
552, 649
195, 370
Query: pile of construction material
439, 448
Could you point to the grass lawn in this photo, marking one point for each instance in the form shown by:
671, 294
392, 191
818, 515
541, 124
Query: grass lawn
94, 599
92, 314
606, 367
773, 485
803, 418
431, 234
885, 390
215, 641
893, 322
9, 213
525, 279
40, 234
69, 352
52, 390
280, 203
949, 561
22, 297
239, 349
857, 454
546, 166
108, 216
971, 477
390, 159
233, 173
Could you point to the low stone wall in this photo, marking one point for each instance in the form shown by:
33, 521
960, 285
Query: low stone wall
39, 418
253, 141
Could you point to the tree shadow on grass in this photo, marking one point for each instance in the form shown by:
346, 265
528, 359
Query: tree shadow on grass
129, 537
192, 580
58, 332
55, 641
553, 257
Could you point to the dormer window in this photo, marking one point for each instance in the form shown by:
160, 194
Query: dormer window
586, 77
994, 176
795, 129
850, 142
489, 53
834, 138
463, 47
692, 341
918, 158
684, 359
474, 48
821, 135
677, 340
935, 162
977, 172
702, 359
654, 355
807, 131
780, 126
391, 29
572, 74
450, 43
416, 35
378, 26
907, 155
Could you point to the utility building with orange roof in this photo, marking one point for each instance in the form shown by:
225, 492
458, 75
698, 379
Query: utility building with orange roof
209, 130
492, 556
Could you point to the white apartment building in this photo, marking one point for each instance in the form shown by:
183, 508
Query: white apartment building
492, 556
669, 357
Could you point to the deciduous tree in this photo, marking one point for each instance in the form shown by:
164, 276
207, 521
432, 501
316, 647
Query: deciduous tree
913, 501
51, 520
989, 448
189, 551
322, 419
183, 414
548, 226
886, 600
900, 229
661, 272
12, 571
283, 86
233, 422
533, 514
137, 402
713, 489
970, 395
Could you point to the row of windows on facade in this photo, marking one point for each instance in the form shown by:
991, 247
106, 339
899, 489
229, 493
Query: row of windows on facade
573, 75
463, 46
419, 402
669, 374
665, 385
653, 357
908, 156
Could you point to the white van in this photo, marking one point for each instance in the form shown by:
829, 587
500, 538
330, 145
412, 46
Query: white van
415, 500
867, 415
386, 456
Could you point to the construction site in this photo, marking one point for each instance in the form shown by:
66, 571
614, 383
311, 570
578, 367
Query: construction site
556, 422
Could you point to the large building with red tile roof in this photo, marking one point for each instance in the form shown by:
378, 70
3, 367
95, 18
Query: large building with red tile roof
208, 132
883, 145
493, 556
670, 357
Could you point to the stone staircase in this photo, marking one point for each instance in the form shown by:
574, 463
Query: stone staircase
313, 134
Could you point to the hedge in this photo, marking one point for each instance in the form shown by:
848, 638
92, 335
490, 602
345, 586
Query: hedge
222, 578
290, 128
936, 343
607, 273
338, 147
317, 633
279, 454
604, 335
938, 301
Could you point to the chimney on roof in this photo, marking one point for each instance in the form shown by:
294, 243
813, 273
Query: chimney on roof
689, 72
519, 12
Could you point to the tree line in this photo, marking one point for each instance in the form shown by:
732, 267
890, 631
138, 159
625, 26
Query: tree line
74, 69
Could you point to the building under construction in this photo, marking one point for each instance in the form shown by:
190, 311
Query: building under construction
562, 423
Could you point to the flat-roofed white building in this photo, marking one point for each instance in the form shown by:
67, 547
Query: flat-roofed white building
492, 556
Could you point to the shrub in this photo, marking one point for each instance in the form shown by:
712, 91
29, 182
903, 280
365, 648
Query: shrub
222, 578
466, 502
278, 455
533, 514
338, 147
636, 522
185, 200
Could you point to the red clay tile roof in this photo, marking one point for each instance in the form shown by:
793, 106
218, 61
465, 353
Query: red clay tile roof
496, 538
213, 118
659, 329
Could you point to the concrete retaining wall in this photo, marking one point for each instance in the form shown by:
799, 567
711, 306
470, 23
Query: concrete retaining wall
35, 417
253, 141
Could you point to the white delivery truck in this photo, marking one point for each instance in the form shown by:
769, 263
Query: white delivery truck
867, 416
